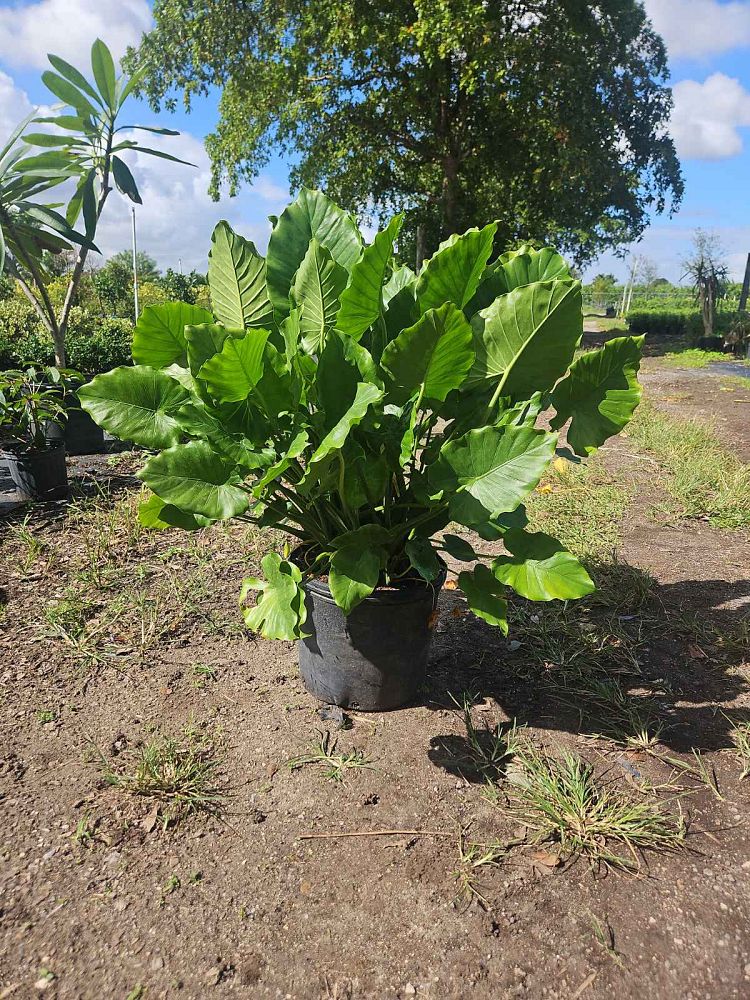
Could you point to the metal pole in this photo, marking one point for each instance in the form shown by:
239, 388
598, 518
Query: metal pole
135, 271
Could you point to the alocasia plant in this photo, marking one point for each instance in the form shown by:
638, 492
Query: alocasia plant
363, 409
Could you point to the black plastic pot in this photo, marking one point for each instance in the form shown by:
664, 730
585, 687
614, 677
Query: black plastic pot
39, 475
80, 434
376, 658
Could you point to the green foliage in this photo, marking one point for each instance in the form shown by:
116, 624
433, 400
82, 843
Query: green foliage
85, 149
28, 399
360, 435
550, 118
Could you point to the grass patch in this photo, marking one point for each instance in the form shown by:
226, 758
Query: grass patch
611, 712
474, 860
705, 478
562, 801
694, 357
325, 755
181, 774
581, 506
740, 737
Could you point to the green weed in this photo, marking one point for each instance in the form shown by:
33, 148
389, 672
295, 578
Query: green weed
324, 755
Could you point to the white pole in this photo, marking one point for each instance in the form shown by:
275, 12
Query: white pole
135, 271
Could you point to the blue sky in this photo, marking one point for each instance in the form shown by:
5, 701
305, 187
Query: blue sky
708, 43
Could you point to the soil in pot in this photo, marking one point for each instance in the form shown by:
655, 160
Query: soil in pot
376, 658
39, 475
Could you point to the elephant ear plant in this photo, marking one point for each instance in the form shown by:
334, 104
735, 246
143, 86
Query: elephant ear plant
364, 410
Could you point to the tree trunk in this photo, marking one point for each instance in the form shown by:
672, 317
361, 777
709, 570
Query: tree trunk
421, 247
450, 196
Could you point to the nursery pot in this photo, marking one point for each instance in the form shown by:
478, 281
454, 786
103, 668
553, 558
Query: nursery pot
80, 434
376, 658
39, 475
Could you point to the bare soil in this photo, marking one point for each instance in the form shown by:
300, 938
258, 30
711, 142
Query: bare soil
243, 905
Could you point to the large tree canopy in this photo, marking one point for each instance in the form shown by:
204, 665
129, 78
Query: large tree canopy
547, 115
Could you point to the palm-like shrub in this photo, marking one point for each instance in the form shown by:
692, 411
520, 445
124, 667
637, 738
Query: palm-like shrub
362, 409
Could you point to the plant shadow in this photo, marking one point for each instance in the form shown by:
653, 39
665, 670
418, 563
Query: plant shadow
666, 668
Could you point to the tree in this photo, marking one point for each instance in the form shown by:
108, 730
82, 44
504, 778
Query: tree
603, 290
548, 115
708, 274
87, 149
114, 281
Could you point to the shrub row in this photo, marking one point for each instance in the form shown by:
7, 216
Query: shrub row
674, 323
92, 351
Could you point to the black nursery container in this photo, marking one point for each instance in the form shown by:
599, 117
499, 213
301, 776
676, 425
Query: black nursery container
39, 475
80, 434
376, 658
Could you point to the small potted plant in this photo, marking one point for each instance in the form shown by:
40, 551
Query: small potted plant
366, 411
31, 398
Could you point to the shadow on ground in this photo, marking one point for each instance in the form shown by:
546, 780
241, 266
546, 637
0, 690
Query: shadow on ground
680, 653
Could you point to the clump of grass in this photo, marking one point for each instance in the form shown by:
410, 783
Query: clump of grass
693, 357
705, 478
558, 638
605, 938
325, 755
73, 621
32, 546
474, 860
561, 800
581, 506
487, 750
620, 586
615, 714
702, 770
740, 737
182, 774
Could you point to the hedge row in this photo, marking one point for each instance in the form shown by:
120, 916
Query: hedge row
106, 346
676, 323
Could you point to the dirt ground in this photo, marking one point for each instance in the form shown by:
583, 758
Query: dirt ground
99, 901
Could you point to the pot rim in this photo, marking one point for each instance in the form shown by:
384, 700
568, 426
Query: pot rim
405, 593
7, 450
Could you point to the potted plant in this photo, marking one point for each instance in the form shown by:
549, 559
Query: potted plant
365, 411
30, 399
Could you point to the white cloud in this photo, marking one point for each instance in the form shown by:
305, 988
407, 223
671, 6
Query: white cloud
14, 106
177, 216
67, 28
698, 28
707, 117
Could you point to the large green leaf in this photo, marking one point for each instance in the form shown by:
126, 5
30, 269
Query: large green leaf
237, 278
401, 277
295, 449
337, 378
317, 286
364, 398
196, 479
159, 335
311, 216
232, 374
136, 404
454, 272
490, 470
356, 565
200, 420
600, 394
280, 611
526, 339
203, 341
432, 357
526, 265
68, 93
539, 568
362, 299
423, 558
157, 515
103, 66
483, 594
